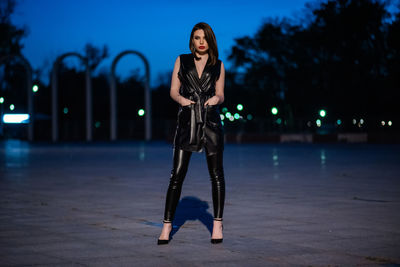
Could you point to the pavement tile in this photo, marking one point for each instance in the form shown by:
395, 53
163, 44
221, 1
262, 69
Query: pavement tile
28, 259
286, 205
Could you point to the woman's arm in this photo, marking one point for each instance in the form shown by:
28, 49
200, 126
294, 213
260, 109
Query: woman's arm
219, 89
176, 84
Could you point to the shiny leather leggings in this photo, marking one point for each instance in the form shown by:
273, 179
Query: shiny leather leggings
181, 160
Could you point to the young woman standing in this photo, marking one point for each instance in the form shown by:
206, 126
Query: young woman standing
198, 87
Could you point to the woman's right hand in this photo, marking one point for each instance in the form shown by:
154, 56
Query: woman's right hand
185, 102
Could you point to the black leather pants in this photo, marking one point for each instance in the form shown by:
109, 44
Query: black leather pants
181, 160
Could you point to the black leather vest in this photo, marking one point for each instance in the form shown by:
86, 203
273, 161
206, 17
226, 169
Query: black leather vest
198, 126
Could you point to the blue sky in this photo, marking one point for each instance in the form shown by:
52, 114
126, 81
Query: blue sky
158, 29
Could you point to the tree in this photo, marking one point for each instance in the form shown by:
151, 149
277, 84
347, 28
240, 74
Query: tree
12, 73
95, 55
333, 60
10, 35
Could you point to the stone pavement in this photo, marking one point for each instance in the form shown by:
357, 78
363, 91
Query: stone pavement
101, 204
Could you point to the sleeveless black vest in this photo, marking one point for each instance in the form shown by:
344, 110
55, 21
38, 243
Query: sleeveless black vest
198, 126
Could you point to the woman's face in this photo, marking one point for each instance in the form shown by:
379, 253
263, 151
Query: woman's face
200, 42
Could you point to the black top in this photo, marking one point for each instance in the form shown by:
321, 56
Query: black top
198, 126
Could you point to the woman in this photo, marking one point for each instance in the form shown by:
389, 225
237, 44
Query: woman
198, 87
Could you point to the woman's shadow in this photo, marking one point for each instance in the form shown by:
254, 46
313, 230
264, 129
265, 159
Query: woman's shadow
192, 208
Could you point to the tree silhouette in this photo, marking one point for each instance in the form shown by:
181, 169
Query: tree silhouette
10, 35
95, 55
343, 57
12, 73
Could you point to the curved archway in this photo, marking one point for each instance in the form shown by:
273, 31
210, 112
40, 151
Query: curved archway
28, 69
54, 98
113, 95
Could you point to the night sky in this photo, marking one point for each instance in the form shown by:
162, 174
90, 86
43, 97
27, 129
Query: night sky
158, 29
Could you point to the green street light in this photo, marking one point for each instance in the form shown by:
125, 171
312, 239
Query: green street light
322, 113
35, 88
141, 112
12, 107
274, 110
239, 107
1, 100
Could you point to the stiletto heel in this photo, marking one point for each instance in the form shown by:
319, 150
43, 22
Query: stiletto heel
217, 240
165, 241
162, 242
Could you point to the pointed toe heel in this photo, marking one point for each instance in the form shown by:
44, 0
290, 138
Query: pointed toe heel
165, 241
162, 242
216, 240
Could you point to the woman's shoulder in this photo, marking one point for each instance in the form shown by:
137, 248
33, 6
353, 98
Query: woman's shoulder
185, 59
185, 56
219, 63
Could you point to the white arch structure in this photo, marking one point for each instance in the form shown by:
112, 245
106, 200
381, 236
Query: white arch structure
28, 70
113, 95
54, 98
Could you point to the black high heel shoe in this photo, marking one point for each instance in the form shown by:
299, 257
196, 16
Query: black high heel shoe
165, 241
162, 242
217, 240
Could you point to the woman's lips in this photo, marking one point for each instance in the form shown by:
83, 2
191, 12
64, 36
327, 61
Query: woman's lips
202, 47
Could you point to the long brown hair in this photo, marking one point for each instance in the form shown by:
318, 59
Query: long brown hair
211, 40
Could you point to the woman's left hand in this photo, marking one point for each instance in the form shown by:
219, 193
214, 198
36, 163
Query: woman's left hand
212, 101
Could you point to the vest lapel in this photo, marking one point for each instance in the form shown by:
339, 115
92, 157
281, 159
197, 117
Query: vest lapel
201, 82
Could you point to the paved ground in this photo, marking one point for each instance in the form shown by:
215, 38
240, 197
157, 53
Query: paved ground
286, 205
